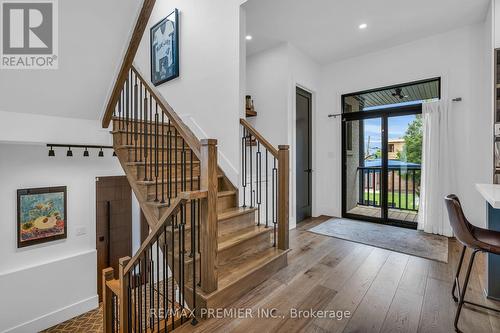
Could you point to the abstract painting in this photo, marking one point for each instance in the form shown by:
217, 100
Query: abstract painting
165, 49
41, 215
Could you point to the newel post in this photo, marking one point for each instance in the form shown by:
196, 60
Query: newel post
124, 283
208, 232
107, 299
283, 196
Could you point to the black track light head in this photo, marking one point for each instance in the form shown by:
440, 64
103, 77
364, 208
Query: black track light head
114, 153
69, 153
86, 153
101, 153
52, 153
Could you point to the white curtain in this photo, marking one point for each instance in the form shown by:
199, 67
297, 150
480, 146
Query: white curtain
438, 158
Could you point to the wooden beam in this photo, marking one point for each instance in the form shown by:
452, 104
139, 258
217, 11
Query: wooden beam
283, 196
208, 232
107, 300
135, 40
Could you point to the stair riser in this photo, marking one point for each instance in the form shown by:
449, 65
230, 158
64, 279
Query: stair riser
121, 139
226, 202
163, 155
151, 189
139, 172
244, 249
122, 124
236, 223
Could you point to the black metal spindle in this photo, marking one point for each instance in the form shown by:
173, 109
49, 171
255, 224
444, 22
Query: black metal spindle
169, 162
141, 127
274, 199
151, 137
251, 170
173, 221
136, 119
267, 189
162, 157
175, 161
157, 286
126, 109
156, 154
244, 166
399, 189
165, 284
146, 136
258, 179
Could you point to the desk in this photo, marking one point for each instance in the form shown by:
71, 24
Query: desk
491, 193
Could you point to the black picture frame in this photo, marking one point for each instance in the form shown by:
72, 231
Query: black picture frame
161, 75
40, 191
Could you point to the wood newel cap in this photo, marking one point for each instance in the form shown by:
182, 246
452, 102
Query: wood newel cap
283, 147
108, 273
124, 261
208, 142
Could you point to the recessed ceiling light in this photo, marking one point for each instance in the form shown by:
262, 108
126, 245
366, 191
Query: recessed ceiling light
363, 26
248, 37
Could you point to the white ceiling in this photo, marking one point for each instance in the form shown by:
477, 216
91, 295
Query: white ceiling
92, 36
327, 30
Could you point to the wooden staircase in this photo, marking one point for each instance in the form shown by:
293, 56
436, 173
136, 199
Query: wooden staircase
206, 247
214, 249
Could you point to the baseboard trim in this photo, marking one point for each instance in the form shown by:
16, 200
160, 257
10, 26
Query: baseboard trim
57, 316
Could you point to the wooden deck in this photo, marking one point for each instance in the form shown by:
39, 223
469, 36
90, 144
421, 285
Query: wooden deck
395, 214
385, 291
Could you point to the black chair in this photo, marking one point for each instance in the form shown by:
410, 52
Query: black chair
478, 240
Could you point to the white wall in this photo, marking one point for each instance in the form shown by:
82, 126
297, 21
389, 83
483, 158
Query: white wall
271, 79
45, 284
208, 89
458, 58
38, 128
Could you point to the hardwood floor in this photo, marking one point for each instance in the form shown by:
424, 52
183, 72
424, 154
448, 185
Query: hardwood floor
384, 291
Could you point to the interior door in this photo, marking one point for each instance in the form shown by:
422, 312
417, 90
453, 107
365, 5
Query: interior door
303, 150
113, 223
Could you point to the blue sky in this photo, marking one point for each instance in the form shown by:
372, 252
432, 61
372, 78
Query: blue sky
373, 129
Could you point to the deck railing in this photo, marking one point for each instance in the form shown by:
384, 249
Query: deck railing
403, 187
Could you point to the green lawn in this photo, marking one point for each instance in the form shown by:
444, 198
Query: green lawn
397, 204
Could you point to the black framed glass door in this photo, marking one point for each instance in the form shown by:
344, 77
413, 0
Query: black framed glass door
381, 155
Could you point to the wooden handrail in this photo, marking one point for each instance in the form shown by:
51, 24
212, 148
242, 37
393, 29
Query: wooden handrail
259, 137
175, 120
135, 40
172, 210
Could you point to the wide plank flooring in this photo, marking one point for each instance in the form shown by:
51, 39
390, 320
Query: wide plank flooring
384, 291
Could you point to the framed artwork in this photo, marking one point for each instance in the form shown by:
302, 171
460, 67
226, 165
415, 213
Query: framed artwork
165, 49
41, 215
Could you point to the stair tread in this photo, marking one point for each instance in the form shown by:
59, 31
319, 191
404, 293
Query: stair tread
114, 285
236, 270
122, 131
164, 148
233, 212
234, 238
159, 163
159, 204
153, 182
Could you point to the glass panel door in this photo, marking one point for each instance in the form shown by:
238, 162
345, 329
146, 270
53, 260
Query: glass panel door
404, 153
363, 168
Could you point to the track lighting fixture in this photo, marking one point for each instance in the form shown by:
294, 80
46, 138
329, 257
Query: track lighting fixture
86, 149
